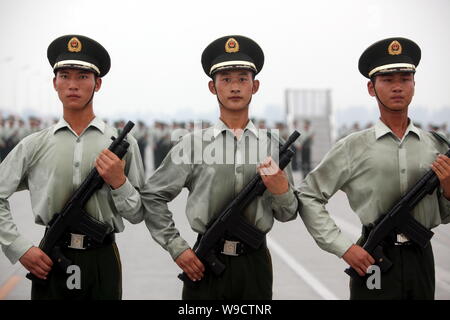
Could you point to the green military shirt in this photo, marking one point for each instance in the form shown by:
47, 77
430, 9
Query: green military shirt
374, 168
51, 164
214, 166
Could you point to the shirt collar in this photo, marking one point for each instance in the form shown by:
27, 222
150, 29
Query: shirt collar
220, 127
382, 129
96, 123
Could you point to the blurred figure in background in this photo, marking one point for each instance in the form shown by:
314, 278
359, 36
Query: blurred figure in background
33, 124
443, 130
22, 131
141, 136
306, 141
162, 142
369, 125
342, 131
9, 135
2, 142
355, 127
298, 147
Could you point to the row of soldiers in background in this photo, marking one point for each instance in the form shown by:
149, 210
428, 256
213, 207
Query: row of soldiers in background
158, 137
345, 131
13, 129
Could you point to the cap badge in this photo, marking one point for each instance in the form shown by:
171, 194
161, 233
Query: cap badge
231, 46
395, 48
74, 45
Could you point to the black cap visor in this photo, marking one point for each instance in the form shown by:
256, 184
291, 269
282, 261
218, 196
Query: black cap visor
232, 61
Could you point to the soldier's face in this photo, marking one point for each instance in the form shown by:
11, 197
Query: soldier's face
234, 88
75, 87
395, 90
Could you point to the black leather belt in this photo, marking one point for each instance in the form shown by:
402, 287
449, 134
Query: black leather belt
232, 247
394, 238
84, 242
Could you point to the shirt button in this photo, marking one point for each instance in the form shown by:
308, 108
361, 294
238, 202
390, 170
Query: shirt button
78, 140
77, 164
239, 170
403, 171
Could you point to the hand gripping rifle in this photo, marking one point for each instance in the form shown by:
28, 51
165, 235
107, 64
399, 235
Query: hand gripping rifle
74, 216
231, 222
400, 220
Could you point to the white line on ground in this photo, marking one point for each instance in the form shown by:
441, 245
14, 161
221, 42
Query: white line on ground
310, 279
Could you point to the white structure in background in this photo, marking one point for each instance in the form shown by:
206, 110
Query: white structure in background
313, 105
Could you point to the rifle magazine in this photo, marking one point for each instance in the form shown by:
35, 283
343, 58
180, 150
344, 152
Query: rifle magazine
248, 233
416, 232
91, 227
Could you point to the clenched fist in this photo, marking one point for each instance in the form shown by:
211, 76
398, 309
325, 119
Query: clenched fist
111, 168
273, 177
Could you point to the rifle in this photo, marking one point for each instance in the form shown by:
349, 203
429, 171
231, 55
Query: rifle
74, 216
399, 219
231, 222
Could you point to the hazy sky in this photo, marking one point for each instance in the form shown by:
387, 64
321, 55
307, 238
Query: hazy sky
155, 47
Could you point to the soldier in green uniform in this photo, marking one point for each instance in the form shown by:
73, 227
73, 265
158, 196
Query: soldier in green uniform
375, 167
232, 63
53, 162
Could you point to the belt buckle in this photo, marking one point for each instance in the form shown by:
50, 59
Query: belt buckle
230, 248
77, 241
401, 239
